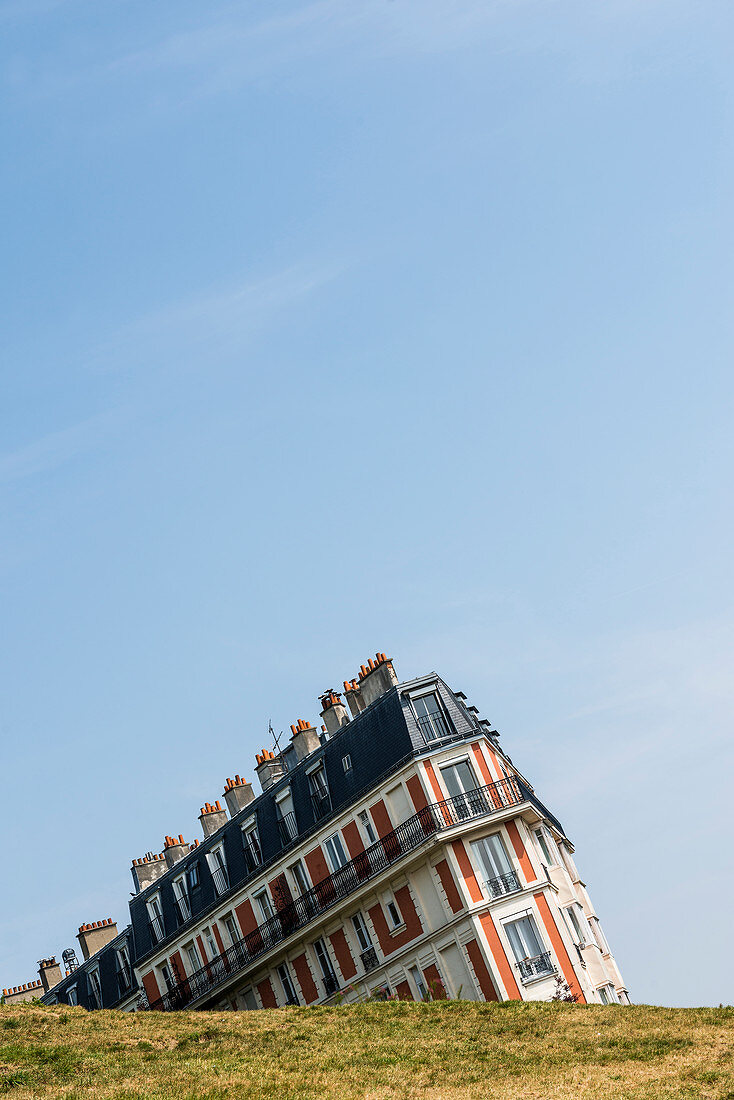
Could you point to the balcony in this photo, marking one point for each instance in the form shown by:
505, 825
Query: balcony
321, 803
183, 910
369, 959
124, 980
536, 967
221, 882
157, 931
288, 828
414, 832
503, 884
330, 984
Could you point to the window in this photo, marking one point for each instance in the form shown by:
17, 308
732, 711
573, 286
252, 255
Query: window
251, 841
181, 899
543, 845
289, 992
95, 989
347, 763
193, 876
394, 913
430, 717
319, 792
420, 985
361, 932
496, 869
366, 824
232, 930
327, 970
532, 961
72, 997
218, 868
155, 919
335, 851
577, 923
598, 935
461, 783
122, 966
607, 995
298, 875
212, 949
286, 817
192, 952
166, 975
265, 905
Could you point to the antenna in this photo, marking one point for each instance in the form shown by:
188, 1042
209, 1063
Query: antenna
70, 960
276, 740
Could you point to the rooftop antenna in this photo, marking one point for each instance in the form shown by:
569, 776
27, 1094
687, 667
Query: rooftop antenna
276, 739
70, 960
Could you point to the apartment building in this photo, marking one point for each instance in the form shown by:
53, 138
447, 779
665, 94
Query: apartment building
396, 849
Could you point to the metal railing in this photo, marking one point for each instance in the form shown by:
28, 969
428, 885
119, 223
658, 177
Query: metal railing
288, 827
221, 880
375, 859
369, 959
157, 931
183, 910
321, 803
433, 726
536, 967
503, 884
330, 984
124, 980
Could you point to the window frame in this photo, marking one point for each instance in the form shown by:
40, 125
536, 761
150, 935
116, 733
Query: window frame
217, 861
335, 840
432, 692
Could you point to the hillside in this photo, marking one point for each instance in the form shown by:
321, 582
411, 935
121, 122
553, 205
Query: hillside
449, 1050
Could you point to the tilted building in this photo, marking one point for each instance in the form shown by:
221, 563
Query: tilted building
396, 849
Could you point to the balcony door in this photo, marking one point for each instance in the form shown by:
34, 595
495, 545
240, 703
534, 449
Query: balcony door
461, 783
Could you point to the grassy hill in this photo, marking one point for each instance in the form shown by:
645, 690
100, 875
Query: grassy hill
443, 1051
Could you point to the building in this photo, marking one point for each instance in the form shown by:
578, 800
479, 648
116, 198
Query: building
397, 849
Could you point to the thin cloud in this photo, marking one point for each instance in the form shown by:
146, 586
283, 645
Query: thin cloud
56, 448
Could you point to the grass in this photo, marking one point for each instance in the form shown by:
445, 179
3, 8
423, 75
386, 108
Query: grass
451, 1050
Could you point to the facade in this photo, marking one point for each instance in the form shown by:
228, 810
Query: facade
396, 850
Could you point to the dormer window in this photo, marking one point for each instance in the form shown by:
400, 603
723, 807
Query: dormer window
181, 899
285, 814
431, 718
95, 989
155, 919
218, 868
251, 841
319, 789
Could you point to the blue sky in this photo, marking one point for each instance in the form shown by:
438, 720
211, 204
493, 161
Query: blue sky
348, 325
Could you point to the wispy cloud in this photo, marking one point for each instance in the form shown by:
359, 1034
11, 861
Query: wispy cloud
223, 317
56, 448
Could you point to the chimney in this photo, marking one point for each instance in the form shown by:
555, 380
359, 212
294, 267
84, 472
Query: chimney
305, 739
333, 711
94, 936
146, 870
269, 768
174, 850
212, 818
237, 795
49, 972
354, 697
376, 678
28, 992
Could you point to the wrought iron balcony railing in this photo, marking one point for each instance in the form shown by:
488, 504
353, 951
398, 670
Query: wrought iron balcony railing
369, 959
183, 910
288, 827
221, 880
321, 803
330, 984
124, 980
503, 884
536, 967
375, 859
157, 931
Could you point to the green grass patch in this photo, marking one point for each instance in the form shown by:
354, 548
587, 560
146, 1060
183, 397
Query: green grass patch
389, 1051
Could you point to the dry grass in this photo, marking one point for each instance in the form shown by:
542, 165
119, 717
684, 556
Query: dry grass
439, 1051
